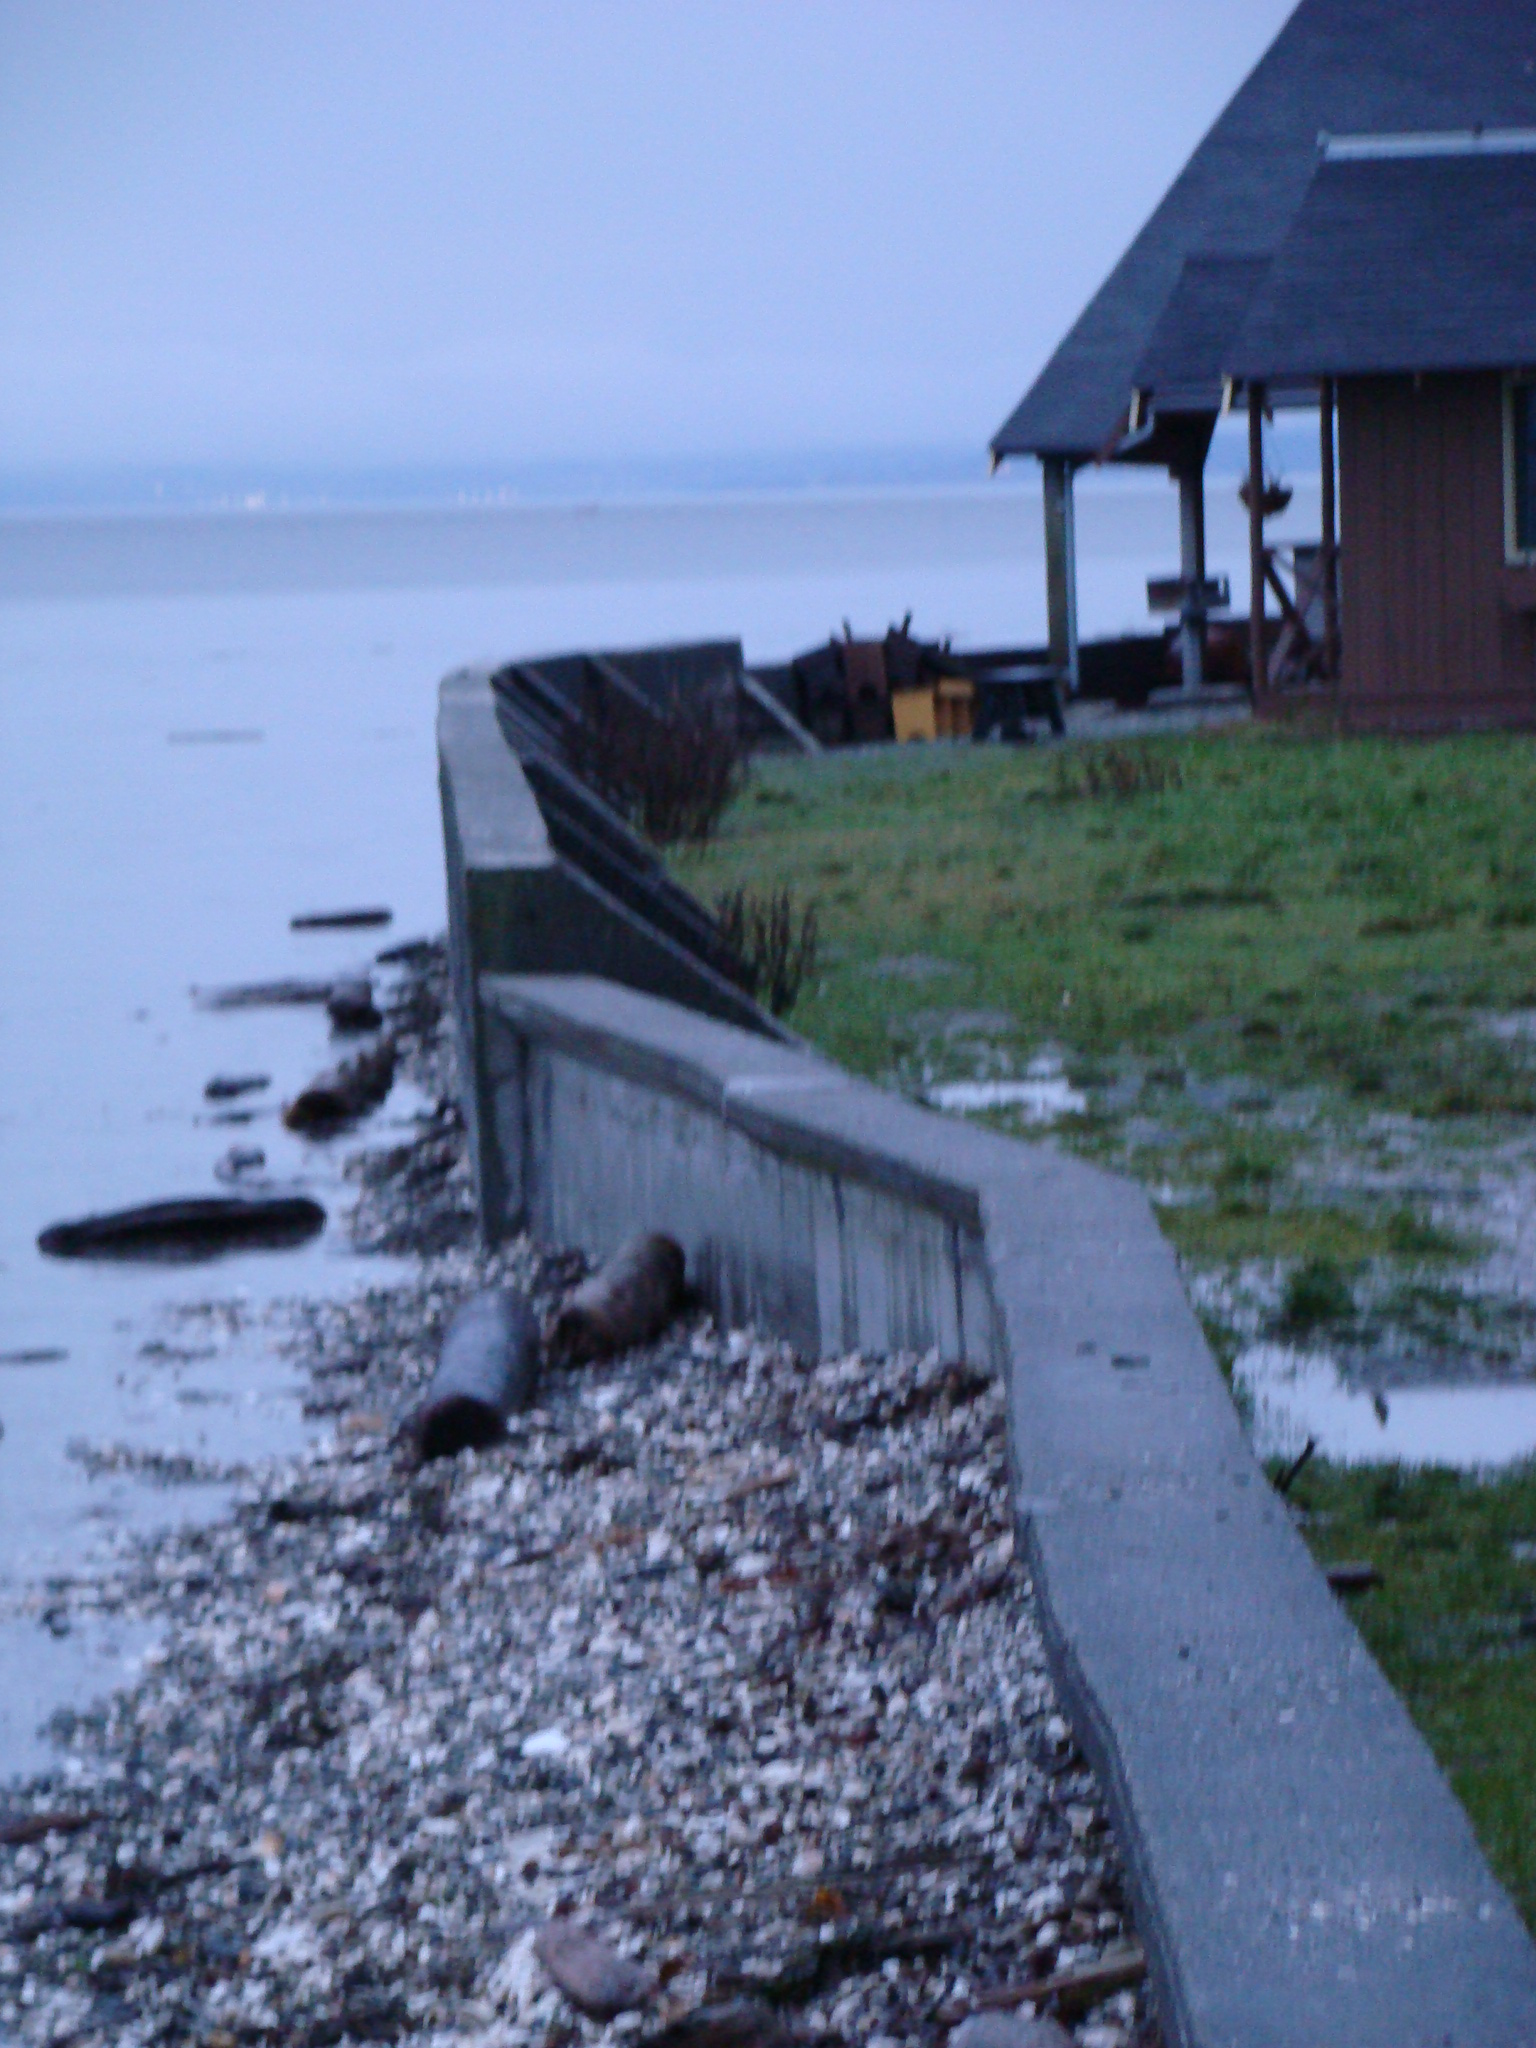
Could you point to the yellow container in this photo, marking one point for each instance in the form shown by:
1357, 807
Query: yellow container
913, 713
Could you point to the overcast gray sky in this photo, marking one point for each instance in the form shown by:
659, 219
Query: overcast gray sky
307, 231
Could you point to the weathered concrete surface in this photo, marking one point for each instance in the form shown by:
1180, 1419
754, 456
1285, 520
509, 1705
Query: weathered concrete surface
516, 906
1304, 1876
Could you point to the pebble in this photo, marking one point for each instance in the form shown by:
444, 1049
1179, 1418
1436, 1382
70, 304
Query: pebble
594, 1977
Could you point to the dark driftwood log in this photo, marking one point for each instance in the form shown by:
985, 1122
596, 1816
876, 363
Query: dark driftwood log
251, 995
629, 1300
339, 920
193, 1229
225, 1087
345, 1092
487, 1370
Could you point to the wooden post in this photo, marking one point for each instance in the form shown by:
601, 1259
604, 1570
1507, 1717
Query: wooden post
1191, 481
1258, 659
1330, 536
1061, 566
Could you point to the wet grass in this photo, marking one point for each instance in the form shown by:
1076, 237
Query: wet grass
1232, 1228
1453, 1626
1307, 911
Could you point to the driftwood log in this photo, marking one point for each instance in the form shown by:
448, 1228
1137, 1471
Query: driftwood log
225, 1087
487, 1370
629, 1300
196, 1228
339, 920
345, 1092
251, 995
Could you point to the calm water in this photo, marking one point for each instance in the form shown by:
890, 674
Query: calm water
141, 855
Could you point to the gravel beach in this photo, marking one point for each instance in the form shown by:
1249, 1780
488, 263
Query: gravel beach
723, 1657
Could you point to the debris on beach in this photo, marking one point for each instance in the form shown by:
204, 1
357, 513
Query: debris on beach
238, 1161
351, 1007
194, 1227
227, 1087
487, 1371
344, 1093
254, 995
339, 920
629, 1300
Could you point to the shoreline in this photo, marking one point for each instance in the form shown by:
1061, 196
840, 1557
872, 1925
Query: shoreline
724, 1653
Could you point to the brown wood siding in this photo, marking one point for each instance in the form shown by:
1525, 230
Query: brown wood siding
1434, 634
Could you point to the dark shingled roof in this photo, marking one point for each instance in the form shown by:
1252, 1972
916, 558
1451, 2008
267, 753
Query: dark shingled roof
1418, 263
1184, 361
1338, 66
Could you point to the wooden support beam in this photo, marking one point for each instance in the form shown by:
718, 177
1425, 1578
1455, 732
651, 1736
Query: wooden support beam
1288, 610
1061, 566
1191, 482
1257, 658
1330, 536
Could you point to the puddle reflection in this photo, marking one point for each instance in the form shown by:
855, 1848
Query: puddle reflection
1297, 1394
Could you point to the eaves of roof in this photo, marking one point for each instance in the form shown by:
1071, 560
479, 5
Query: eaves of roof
1338, 66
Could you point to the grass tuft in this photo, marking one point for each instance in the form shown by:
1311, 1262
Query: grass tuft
1316, 1295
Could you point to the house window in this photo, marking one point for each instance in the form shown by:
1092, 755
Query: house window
1521, 470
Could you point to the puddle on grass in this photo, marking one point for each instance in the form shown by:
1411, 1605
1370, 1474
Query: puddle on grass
1296, 1394
1044, 1094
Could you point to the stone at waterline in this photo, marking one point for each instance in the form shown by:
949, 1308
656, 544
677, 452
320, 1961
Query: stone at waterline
344, 1093
487, 1370
594, 1977
199, 1227
225, 1087
238, 1160
629, 1300
351, 1007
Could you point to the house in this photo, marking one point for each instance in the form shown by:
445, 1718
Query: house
1406, 292
1144, 373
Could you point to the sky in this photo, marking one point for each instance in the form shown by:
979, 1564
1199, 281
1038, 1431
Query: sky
446, 231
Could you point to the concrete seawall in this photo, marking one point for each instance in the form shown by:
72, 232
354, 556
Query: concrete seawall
517, 904
1303, 1874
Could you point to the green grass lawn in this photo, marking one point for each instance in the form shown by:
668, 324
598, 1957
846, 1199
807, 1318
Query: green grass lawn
1328, 911
1453, 1626
1288, 974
